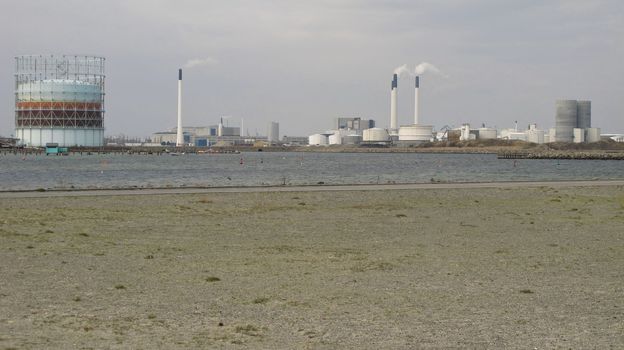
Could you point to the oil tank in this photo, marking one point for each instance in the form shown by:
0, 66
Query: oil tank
416, 133
565, 120
59, 99
335, 139
375, 135
583, 114
579, 135
593, 135
318, 140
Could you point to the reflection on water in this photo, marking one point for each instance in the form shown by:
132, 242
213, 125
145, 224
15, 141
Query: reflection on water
261, 169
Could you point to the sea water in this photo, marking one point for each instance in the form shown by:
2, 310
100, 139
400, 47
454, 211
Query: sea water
285, 168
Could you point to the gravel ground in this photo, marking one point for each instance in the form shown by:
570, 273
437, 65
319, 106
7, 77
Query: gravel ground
539, 267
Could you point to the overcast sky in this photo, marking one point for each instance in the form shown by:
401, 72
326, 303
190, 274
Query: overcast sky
303, 63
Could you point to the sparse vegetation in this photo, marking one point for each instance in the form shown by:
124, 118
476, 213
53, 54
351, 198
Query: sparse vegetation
260, 300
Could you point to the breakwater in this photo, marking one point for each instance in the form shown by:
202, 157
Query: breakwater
577, 155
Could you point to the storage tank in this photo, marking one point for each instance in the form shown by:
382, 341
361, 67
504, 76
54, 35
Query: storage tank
335, 139
593, 135
487, 133
565, 120
416, 133
59, 99
318, 140
579, 135
375, 135
583, 114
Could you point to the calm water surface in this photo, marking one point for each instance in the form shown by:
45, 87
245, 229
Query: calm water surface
258, 169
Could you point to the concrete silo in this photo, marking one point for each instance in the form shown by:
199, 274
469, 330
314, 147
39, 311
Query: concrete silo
59, 99
565, 120
583, 114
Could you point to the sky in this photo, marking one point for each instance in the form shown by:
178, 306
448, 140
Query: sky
304, 63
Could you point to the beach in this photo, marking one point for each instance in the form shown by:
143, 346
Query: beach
536, 266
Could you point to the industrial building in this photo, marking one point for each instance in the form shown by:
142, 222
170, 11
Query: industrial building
273, 132
202, 136
353, 123
59, 99
573, 122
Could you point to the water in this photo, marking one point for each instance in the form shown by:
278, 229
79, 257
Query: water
262, 169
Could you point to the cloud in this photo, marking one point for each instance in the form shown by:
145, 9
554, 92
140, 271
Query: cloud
424, 67
401, 70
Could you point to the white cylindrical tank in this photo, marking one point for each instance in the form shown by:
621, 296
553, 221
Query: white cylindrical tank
335, 139
423, 133
593, 135
579, 135
375, 135
487, 133
318, 140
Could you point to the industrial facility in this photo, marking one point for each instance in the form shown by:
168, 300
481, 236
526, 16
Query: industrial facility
59, 99
415, 133
573, 122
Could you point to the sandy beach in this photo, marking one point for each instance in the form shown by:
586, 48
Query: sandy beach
493, 267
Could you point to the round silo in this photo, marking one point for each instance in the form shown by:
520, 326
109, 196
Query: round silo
416, 133
335, 139
375, 135
583, 114
593, 135
59, 99
318, 140
565, 120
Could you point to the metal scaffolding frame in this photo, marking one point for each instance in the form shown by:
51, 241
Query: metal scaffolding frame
61, 109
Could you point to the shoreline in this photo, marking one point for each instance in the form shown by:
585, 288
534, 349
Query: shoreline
302, 188
511, 267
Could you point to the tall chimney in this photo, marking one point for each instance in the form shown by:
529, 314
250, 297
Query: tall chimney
393, 104
180, 135
417, 100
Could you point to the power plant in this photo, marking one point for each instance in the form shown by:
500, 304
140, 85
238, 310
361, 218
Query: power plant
415, 133
59, 99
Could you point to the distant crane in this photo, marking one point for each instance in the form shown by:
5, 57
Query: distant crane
444, 130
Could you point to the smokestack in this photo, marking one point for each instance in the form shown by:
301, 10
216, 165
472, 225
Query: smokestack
393, 104
180, 135
417, 100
